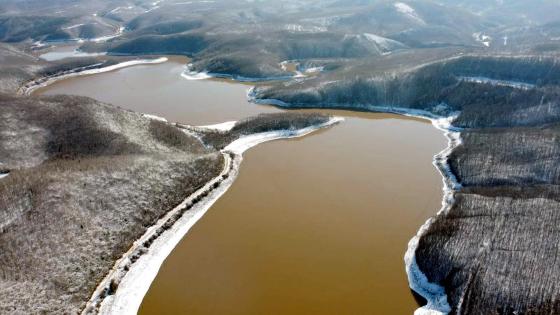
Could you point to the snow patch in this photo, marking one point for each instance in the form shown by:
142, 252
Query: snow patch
155, 6
192, 75
115, 10
482, 38
385, 44
284, 65
38, 45
297, 28
381, 41
118, 9
298, 74
119, 32
124, 65
485, 80
73, 26
408, 11
226, 126
313, 70
154, 117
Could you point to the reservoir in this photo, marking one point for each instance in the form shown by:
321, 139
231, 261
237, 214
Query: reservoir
315, 225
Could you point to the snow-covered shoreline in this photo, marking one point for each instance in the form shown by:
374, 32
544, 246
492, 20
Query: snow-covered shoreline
435, 294
29, 88
244, 143
133, 274
123, 289
410, 112
224, 127
190, 74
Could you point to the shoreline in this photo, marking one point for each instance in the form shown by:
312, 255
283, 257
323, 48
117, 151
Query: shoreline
123, 289
434, 294
192, 75
28, 88
106, 299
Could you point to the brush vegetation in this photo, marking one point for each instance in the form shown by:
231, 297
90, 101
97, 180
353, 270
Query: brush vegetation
85, 181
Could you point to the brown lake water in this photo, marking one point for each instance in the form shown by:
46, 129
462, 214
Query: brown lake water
316, 225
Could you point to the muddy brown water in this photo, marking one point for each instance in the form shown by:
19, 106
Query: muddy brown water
316, 225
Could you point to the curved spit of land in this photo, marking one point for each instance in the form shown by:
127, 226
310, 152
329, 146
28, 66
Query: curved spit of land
119, 299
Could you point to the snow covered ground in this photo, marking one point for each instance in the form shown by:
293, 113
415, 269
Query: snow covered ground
226, 126
513, 84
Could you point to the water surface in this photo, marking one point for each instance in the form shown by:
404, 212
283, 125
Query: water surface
160, 90
66, 51
317, 225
